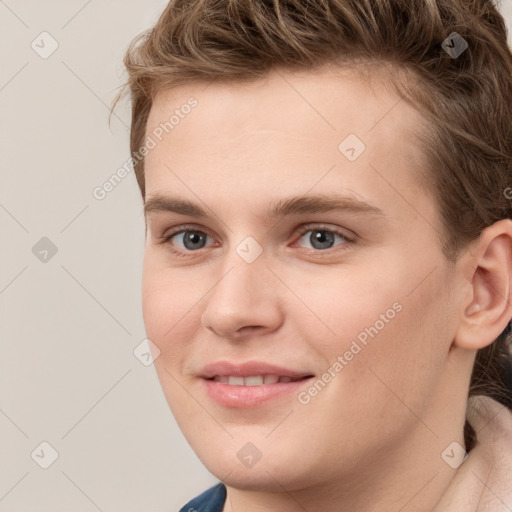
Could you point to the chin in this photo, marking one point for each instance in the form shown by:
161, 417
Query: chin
274, 470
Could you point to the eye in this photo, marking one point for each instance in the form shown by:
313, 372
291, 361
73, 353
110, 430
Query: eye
186, 239
322, 238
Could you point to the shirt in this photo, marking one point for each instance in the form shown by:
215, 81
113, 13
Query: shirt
483, 482
211, 500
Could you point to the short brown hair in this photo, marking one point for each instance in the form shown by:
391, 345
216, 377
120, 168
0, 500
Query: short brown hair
466, 98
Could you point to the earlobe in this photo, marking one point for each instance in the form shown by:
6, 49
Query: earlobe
490, 309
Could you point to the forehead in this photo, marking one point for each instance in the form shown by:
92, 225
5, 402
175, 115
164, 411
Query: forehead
287, 130
364, 90
317, 106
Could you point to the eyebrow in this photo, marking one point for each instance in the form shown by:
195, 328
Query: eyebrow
299, 205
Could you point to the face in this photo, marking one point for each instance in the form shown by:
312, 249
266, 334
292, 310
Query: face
310, 251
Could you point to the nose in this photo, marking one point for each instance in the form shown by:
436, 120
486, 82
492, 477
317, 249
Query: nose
244, 299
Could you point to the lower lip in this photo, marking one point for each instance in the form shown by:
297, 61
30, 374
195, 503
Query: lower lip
250, 396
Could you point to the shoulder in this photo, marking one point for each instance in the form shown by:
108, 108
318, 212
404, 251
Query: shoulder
482, 482
211, 500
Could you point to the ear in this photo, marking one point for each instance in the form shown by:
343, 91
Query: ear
489, 267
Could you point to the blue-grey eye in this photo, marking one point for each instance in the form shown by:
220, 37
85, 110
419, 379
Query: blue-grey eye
192, 240
321, 238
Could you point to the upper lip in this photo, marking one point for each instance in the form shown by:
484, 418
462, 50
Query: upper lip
248, 369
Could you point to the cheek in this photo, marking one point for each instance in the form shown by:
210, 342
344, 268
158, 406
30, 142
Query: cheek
387, 337
402, 350
168, 300
167, 307
339, 306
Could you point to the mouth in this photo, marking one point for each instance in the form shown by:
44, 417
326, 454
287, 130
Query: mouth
256, 380
251, 383
237, 392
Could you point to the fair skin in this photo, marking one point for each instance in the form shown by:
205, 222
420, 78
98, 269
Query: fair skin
372, 439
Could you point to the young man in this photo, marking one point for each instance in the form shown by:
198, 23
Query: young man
328, 265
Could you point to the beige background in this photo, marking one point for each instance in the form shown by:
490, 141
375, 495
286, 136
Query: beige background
70, 323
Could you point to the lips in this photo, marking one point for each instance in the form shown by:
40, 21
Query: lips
251, 384
253, 380
249, 372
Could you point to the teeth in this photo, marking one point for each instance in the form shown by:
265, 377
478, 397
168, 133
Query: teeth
253, 380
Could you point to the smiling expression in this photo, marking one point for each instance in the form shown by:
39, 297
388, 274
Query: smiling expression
285, 217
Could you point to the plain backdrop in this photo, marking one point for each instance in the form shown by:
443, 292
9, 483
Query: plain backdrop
74, 396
